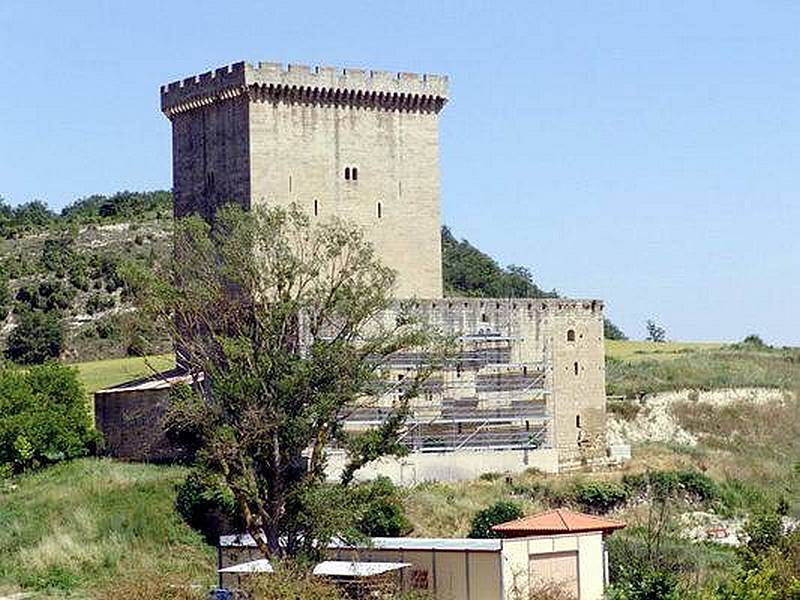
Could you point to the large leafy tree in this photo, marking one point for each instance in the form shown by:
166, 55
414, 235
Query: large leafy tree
285, 326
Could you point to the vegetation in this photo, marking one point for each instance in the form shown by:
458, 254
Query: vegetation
469, 272
38, 337
382, 513
699, 367
95, 527
655, 333
612, 332
43, 418
497, 513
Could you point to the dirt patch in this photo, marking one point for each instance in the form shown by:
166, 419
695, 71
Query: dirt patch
656, 421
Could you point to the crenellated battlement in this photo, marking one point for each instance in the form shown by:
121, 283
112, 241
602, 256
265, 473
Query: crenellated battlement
272, 82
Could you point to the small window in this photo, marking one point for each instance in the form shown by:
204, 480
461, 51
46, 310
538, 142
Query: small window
576, 367
484, 318
380, 210
347, 173
578, 421
571, 335
316, 208
355, 173
290, 184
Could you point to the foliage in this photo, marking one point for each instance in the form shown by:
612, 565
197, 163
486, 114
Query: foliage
469, 272
382, 512
43, 417
651, 585
207, 505
290, 580
655, 333
497, 513
38, 338
599, 496
97, 528
754, 340
23, 218
122, 205
284, 321
627, 410
48, 295
611, 331
689, 484
5, 293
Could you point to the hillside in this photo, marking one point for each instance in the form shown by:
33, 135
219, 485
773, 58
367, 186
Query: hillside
67, 265
90, 527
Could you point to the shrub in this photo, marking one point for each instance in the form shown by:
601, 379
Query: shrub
38, 337
384, 515
290, 581
627, 410
690, 483
207, 505
499, 512
653, 585
44, 417
599, 496
99, 302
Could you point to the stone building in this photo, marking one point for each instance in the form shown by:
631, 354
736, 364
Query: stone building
528, 385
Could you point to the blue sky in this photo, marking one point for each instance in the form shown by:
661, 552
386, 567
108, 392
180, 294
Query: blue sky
645, 153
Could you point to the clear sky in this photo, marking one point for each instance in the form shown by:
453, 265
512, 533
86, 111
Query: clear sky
644, 152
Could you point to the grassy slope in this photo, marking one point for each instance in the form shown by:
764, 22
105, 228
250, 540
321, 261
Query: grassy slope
634, 368
75, 527
634, 350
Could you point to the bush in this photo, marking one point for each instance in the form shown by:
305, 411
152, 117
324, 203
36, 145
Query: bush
627, 410
44, 417
599, 496
207, 505
99, 302
499, 512
384, 515
689, 483
291, 581
38, 337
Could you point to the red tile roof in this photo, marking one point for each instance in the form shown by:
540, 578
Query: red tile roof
556, 521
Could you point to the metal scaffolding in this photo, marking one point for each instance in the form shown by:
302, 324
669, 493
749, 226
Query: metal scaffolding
480, 400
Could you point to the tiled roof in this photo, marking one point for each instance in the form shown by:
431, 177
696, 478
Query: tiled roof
557, 521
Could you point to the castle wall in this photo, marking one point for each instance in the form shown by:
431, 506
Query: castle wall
299, 154
210, 155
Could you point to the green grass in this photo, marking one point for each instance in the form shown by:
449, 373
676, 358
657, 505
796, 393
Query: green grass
100, 374
80, 527
633, 372
632, 350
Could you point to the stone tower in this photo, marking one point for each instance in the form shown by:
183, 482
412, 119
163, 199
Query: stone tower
360, 145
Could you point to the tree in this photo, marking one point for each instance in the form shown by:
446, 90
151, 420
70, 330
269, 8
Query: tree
38, 337
44, 417
655, 333
286, 328
499, 512
469, 272
612, 332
